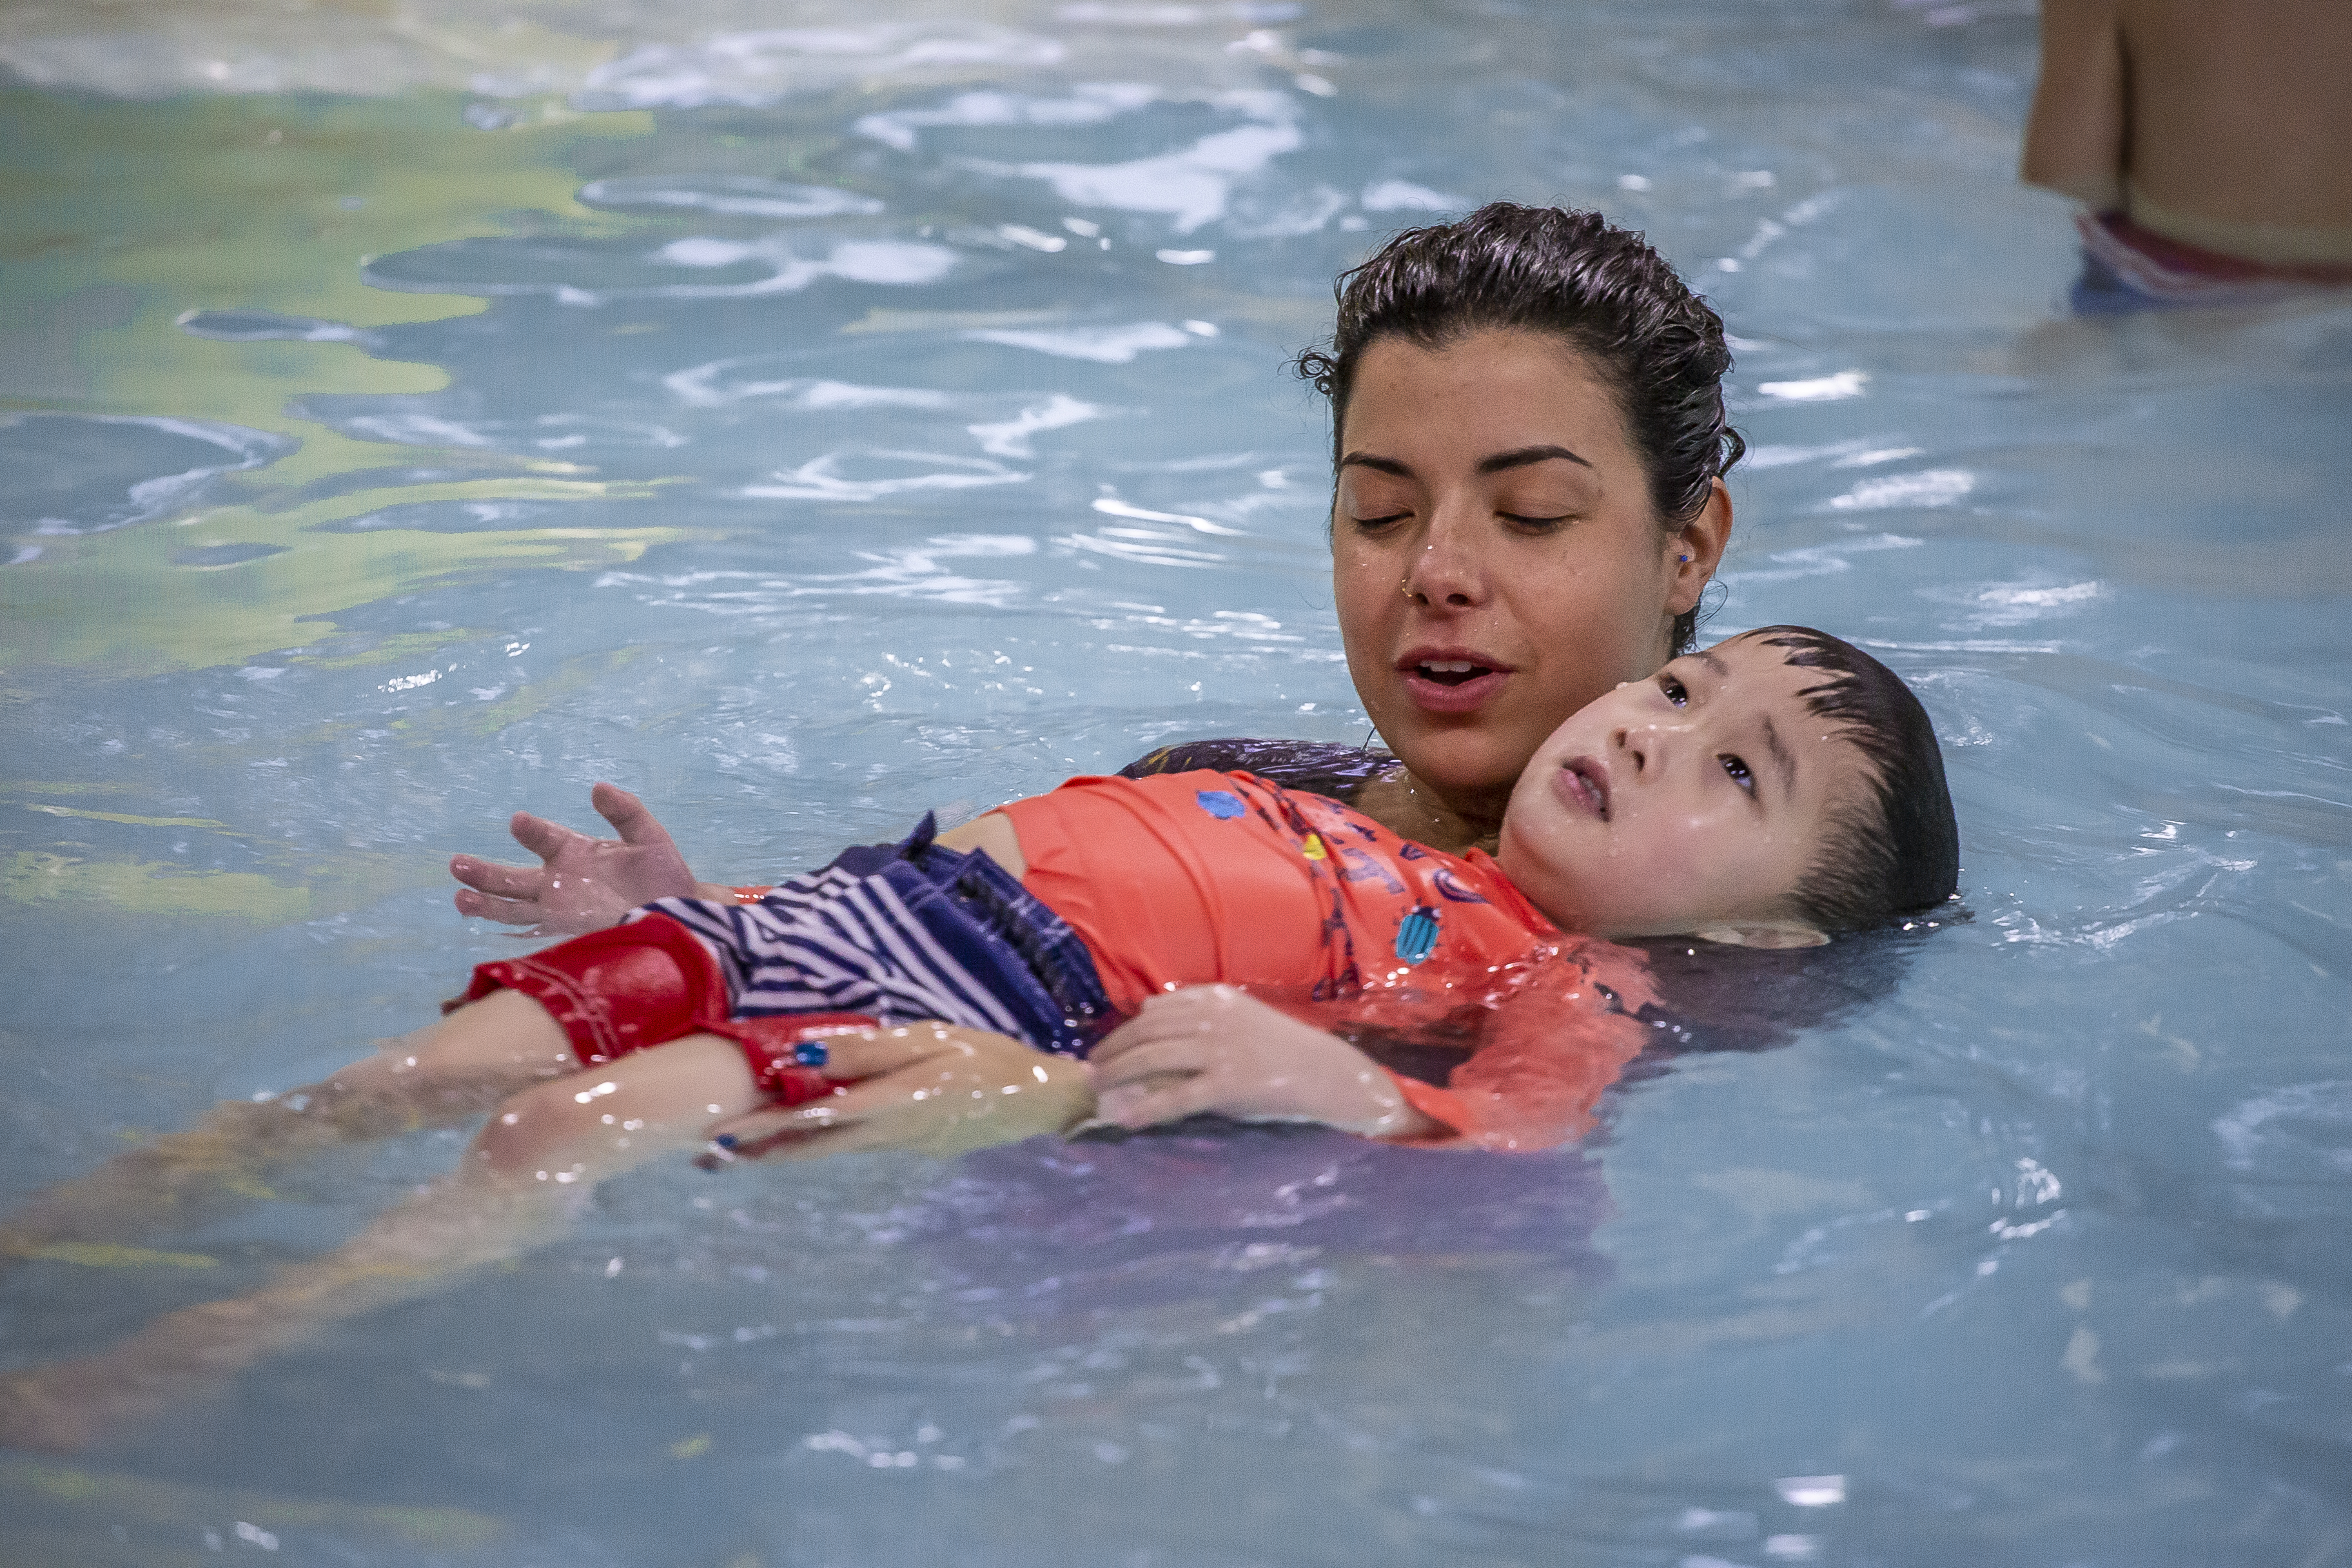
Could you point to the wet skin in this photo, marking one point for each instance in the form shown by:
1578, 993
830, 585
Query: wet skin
1496, 563
1695, 799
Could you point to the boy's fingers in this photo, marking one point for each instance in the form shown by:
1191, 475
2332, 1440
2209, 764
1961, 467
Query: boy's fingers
540, 837
506, 911
496, 880
627, 814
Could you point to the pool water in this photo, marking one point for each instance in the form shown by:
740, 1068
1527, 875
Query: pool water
810, 416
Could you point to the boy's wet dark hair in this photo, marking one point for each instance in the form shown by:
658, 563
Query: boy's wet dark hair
1899, 852
1576, 275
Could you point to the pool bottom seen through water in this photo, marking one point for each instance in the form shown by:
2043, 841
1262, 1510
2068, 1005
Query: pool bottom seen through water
811, 421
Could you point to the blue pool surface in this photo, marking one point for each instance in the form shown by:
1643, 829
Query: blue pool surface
810, 416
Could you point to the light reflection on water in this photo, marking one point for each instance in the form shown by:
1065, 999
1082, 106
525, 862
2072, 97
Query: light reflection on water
797, 420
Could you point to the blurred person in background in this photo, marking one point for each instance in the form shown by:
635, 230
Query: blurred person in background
2210, 145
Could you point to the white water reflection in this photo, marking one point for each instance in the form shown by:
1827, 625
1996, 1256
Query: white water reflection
1103, 345
728, 195
757, 68
821, 479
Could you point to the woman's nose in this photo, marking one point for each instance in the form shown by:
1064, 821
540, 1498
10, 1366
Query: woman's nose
1447, 568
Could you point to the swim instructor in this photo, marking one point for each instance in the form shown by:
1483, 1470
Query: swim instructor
1528, 442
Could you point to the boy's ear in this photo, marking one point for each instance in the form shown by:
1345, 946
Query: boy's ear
1764, 934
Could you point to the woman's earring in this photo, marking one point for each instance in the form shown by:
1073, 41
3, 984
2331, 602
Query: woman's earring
1684, 558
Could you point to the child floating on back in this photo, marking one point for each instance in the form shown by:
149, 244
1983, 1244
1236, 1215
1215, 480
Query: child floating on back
1777, 788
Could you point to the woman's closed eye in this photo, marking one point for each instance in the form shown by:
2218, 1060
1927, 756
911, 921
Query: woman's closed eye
1535, 524
1380, 521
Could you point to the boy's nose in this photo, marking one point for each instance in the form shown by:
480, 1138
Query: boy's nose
1646, 743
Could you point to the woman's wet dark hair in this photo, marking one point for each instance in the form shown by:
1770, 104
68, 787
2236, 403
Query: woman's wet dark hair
1576, 275
1899, 852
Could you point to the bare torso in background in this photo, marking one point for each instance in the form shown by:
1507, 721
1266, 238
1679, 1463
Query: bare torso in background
2222, 123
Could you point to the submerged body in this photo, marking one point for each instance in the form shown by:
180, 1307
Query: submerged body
2209, 144
1643, 813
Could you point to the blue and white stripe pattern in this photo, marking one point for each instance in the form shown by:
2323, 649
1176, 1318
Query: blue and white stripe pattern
908, 933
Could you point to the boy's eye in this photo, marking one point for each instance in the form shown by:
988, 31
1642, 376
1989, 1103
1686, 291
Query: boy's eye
1674, 690
1738, 772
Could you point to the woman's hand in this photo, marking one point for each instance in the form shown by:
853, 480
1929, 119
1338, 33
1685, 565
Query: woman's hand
1216, 1048
929, 1086
585, 884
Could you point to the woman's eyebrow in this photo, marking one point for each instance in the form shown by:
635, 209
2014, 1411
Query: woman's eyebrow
1520, 458
1385, 464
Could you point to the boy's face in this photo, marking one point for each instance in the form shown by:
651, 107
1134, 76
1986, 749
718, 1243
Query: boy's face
1695, 799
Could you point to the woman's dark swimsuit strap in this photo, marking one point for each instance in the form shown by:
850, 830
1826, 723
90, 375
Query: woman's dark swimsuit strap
1318, 767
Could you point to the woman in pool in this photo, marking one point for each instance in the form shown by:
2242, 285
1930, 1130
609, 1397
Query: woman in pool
1528, 439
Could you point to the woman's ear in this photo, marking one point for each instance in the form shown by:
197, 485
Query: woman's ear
1764, 934
1697, 548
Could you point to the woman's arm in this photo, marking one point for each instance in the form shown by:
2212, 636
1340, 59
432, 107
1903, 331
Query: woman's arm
1553, 1043
2076, 138
1217, 1048
935, 1088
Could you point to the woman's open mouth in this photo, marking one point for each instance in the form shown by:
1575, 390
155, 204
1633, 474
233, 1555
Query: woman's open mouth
1441, 684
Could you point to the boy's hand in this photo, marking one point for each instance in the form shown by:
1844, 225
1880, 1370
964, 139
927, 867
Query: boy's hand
1216, 1048
930, 1087
585, 884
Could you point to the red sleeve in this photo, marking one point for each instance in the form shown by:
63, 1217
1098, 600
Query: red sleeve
1559, 1038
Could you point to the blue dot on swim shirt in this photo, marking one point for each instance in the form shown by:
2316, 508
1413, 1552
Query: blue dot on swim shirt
1417, 934
1223, 803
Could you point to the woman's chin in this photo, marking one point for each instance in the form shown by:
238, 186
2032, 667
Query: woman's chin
1468, 792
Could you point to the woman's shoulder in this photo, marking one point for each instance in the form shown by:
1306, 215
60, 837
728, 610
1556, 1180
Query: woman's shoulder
1319, 767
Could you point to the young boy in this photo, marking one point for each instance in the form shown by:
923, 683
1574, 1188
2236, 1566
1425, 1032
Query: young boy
1781, 787
1778, 787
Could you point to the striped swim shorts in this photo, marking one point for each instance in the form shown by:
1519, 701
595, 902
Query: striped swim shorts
907, 932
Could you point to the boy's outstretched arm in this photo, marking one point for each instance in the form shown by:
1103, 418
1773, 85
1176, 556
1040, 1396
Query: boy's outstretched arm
583, 884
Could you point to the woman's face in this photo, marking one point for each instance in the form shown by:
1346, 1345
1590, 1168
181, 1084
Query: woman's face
1495, 558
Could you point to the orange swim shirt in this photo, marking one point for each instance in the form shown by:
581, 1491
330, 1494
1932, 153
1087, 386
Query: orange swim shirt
1199, 878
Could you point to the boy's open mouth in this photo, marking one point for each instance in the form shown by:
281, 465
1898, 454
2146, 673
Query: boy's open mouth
1584, 785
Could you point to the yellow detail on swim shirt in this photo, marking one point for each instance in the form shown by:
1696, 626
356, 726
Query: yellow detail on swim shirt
1314, 847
